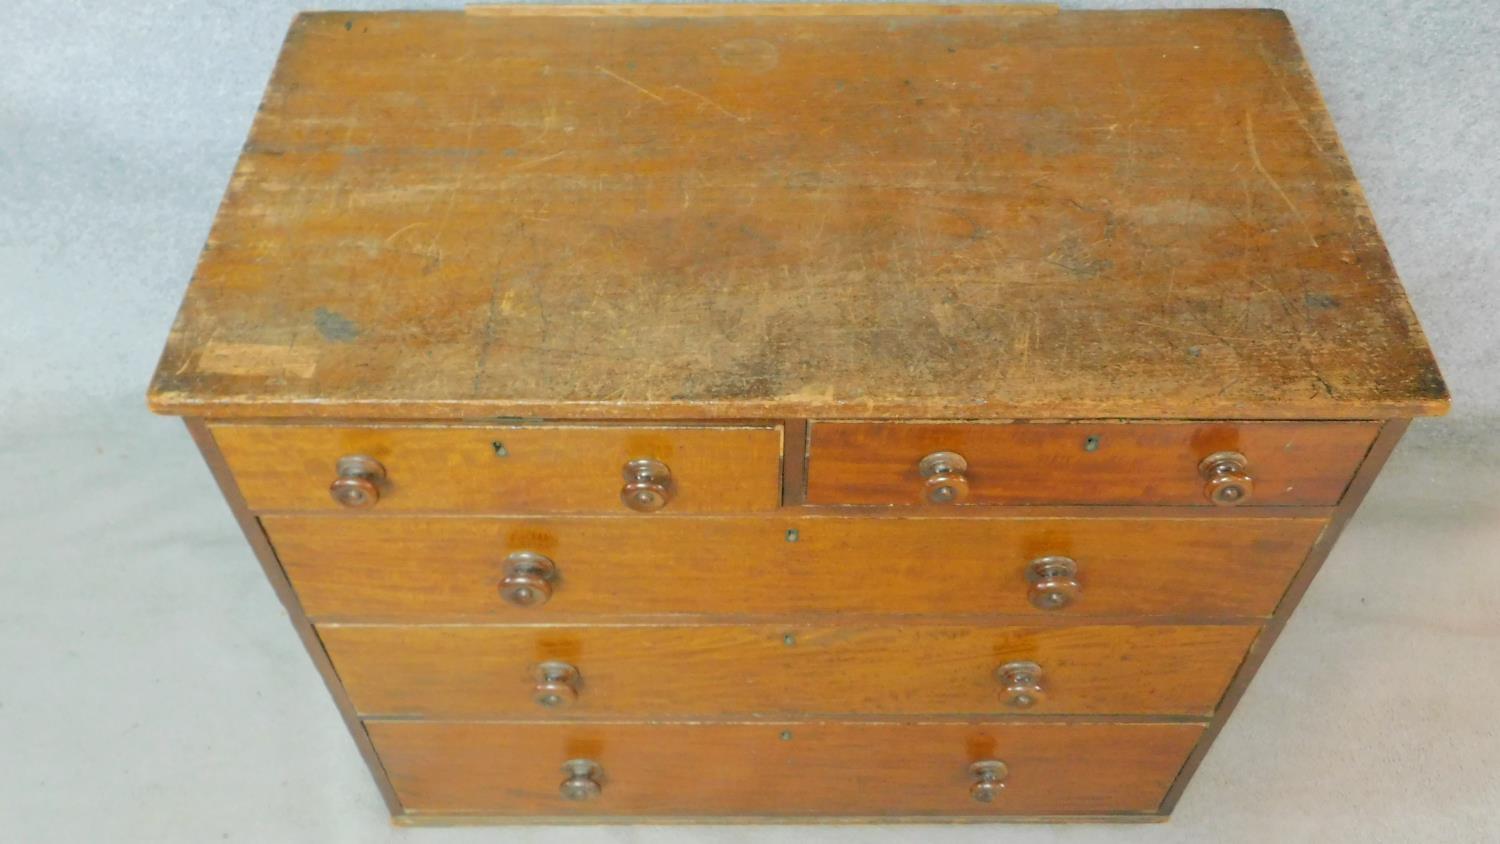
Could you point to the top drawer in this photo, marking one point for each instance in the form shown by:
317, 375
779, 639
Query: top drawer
505, 469
1268, 463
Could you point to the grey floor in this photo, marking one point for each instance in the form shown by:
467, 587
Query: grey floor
151, 690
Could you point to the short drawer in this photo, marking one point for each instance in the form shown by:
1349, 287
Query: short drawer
506, 469
785, 769
439, 569
1286, 463
753, 671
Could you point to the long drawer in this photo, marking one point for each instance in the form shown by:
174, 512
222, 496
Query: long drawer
506, 469
894, 463
445, 569
786, 769
748, 671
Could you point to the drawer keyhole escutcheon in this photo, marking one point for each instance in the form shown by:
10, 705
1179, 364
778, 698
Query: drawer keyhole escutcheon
943, 477
528, 579
583, 779
1021, 684
1054, 582
556, 684
1227, 478
989, 779
648, 485
357, 485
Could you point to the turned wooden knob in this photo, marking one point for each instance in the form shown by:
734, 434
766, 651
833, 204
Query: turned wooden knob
357, 484
528, 579
556, 684
943, 477
648, 485
989, 778
1226, 476
583, 780
1021, 684
1054, 582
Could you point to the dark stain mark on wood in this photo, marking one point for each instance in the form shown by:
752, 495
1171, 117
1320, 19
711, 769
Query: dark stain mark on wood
1079, 262
335, 326
1430, 383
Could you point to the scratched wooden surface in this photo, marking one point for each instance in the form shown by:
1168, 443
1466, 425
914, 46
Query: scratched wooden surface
1086, 214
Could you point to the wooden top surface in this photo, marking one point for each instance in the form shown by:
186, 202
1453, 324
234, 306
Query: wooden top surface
688, 214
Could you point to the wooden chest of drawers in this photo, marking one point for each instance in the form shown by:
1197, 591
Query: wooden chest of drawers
792, 412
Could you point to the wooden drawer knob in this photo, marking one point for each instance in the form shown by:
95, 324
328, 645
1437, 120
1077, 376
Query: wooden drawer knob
357, 484
989, 778
1227, 480
583, 779
556, 684
648, 485
1054, 582
1021, 684
528, 579
943, 477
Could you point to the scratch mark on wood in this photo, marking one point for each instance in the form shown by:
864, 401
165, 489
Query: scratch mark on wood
497, 305
722, 110
1276, 74
607, 72
406, 228
1275, 185
535, 161
1223, 338
433, 249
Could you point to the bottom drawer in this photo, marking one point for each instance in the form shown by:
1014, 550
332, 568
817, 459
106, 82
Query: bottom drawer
788, 769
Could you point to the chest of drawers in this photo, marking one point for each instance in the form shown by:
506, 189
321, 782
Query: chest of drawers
786, 413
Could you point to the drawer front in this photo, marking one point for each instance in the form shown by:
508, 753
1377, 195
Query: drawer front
754, 671
506, 469
1290, 463
789, 769
439, 569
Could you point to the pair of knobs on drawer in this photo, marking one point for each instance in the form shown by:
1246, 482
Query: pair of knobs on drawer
529, 577
1226, 477
584, 778
557, 684
648, 483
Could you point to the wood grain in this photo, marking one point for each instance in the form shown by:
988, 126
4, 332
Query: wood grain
544, 468
1072, 215
781, 769
1131, 463
448, 569
791, 670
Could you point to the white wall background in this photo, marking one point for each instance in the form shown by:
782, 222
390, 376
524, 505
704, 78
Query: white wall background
150, 690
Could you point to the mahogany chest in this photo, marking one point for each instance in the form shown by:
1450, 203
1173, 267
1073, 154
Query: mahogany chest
792, 412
